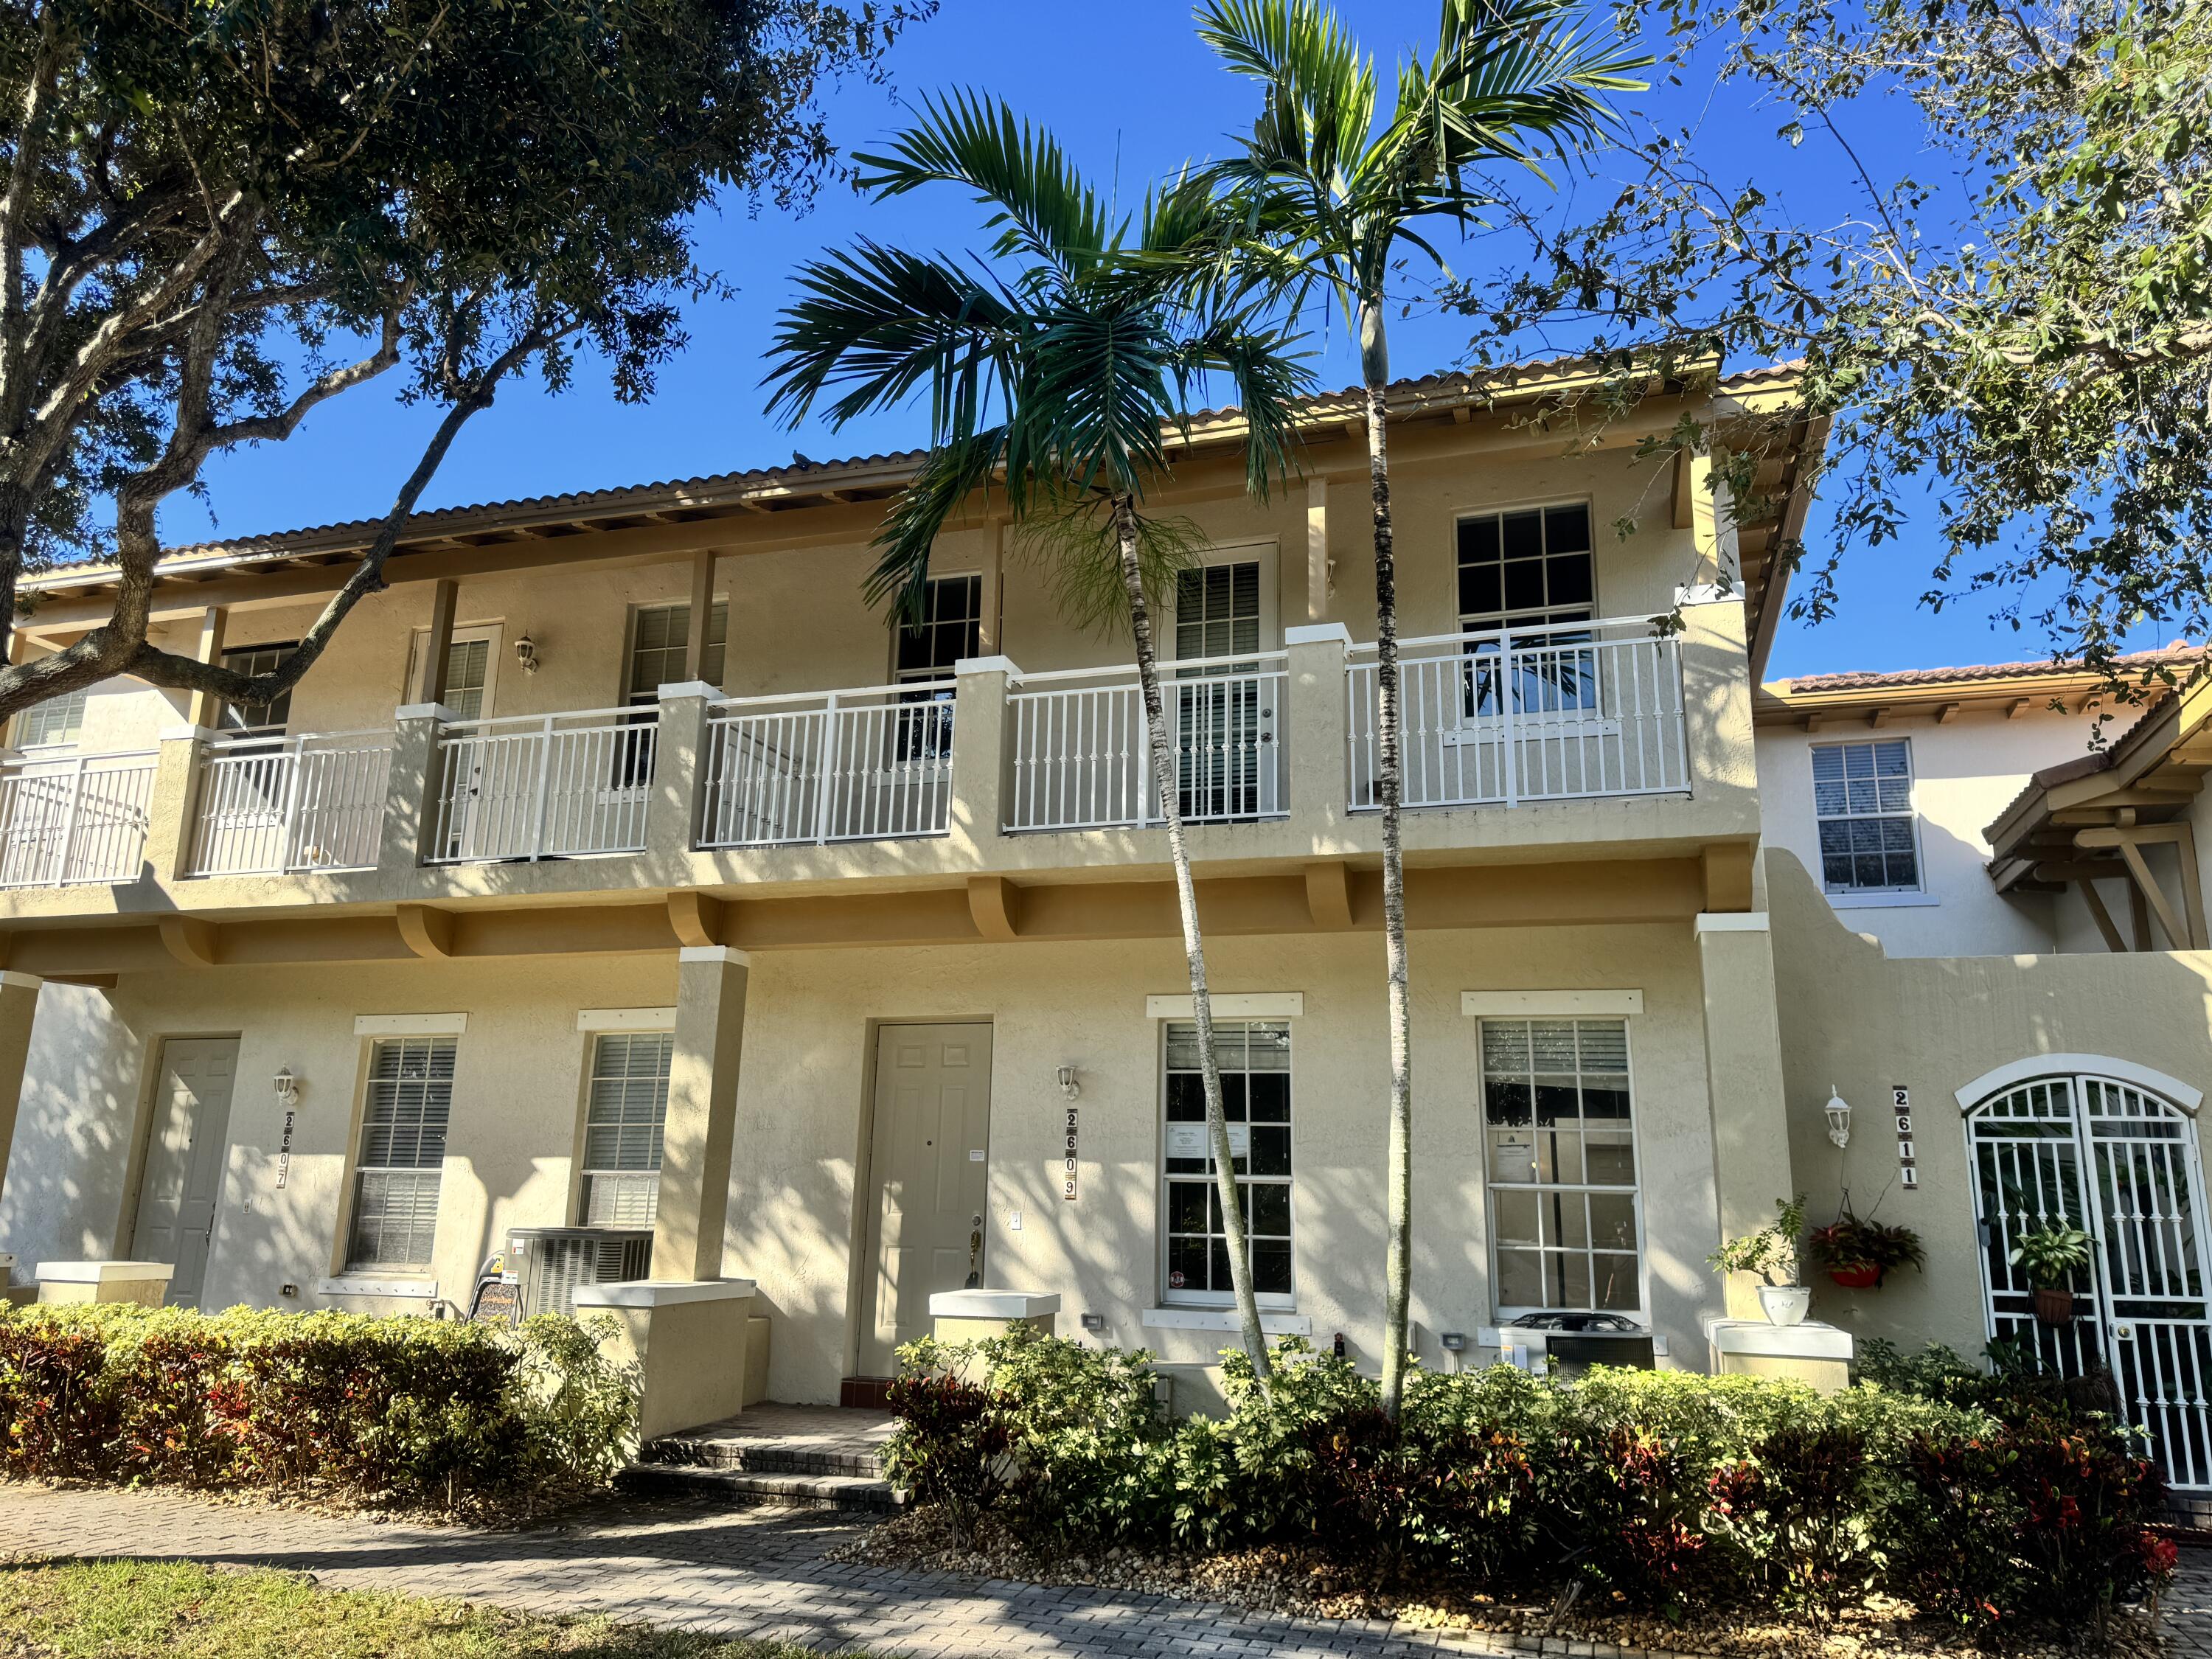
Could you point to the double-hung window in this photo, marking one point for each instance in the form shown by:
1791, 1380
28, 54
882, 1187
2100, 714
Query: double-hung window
1564, 1223
402, 1151
623, 1116
261, 720
49, 724
1254, 1058
1862, 804
658, 635
1534, 569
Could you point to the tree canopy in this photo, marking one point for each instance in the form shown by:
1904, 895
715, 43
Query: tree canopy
217, 215
2019, 330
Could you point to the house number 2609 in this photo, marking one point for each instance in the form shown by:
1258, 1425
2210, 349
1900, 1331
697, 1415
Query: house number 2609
1067, 1161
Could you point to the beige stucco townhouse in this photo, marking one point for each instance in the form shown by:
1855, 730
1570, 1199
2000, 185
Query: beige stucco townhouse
619, 877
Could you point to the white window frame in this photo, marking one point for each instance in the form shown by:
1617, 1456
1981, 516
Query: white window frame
1475, 726
268, 729
1869, 896
595, 1035
353, 1261
648, 696
72, 731
930, 676
488, 632
1506, 1311
1507, 619
1273, 1301
1266, 552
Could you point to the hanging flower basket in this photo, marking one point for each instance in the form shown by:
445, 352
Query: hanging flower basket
1863, 1277
2054, 1304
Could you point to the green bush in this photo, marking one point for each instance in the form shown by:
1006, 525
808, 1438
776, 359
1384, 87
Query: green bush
1669, 1491
463, 1418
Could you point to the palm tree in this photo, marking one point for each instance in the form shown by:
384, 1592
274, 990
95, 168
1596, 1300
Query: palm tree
1056, 371
1334, 193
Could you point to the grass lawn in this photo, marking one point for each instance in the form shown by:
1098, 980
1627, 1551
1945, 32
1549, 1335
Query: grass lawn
176, 1610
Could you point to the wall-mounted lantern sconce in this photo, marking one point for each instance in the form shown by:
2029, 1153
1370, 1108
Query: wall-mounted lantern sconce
287, 1089
1068, 1085
1839, 1118
525, 653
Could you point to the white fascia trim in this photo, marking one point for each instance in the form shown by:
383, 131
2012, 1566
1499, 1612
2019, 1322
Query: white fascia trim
1731, 922
2035, 1066
1548, 1005
662, 1292
1224, 1319
1880, 901
1239, 1004
1318, 633
721, 953
423, 1290
625, 1020
409, 1024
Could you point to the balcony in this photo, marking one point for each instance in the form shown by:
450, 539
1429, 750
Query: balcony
1276, 757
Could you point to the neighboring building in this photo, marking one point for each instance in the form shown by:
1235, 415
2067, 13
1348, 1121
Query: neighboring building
617, 868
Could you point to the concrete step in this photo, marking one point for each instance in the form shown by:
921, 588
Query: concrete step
760, 1457
849, 1493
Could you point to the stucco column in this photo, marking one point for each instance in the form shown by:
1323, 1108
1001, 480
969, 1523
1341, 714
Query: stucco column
409, 811
19, 1006
1743, 1080
702, 1107
175, 797
1717, 698
1315, 725
679, 774
205, 708
982, 760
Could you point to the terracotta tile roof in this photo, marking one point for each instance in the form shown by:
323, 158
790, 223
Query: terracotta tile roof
2177, 654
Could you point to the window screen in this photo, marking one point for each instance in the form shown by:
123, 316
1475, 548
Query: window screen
656, 652
1862, 803
623, 1121
403, 1149
1254, 1058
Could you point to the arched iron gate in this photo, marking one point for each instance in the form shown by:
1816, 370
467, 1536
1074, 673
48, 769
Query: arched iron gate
2122, 1164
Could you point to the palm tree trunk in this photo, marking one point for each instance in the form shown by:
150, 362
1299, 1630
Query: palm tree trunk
1164, 779
1398, 1264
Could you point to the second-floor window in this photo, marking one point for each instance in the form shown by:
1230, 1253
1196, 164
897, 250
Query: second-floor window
1862, 804
257, 718
952, 627
57, 720
657, 645
1532, 567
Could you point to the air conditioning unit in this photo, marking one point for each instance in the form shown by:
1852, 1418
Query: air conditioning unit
549, 1263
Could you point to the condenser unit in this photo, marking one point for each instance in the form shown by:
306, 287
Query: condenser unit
549, 1263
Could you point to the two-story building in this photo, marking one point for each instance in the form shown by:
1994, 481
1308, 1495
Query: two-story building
619, 868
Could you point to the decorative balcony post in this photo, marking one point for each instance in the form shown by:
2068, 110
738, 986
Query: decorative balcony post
1316, 734
675, 806
411, 811
1717, 698
983, 751
173, 804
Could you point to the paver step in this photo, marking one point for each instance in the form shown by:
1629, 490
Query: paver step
849, 1493
759, 1457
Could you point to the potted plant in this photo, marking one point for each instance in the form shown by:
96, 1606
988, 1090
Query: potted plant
2050, 1256
1773, 1252
1859, 1255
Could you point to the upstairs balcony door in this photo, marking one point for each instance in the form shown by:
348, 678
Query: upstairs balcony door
1226, 725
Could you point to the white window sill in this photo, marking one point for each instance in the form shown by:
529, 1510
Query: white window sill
1225, 1319
1881, 901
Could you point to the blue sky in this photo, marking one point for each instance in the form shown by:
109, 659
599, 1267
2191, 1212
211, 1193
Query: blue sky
1133, 93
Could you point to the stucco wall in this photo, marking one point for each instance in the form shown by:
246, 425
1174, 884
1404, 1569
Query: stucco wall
800, 1144
1965, 774
1860, 1021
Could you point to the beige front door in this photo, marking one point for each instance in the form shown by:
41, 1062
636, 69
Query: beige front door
933, 1122
183, 1182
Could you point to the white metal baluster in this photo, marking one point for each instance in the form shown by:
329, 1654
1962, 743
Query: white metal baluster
68, 824
825, 789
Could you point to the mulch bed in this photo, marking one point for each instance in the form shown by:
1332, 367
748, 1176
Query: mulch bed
1300, 1584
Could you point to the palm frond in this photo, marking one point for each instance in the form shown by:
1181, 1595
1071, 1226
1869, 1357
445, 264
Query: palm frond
940, 487
1043, 210
1077, 550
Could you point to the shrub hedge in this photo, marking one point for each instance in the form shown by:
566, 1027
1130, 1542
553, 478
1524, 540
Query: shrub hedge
1670, 1491
461, 1418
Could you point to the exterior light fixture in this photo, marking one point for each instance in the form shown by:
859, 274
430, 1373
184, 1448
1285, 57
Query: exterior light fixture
525, 653
288, 1088
1068, 1085
1839, 1118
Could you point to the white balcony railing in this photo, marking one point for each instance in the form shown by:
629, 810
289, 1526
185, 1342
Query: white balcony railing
78, 819
268, 805
825, 766
1540, 713
541, 785
1079, 757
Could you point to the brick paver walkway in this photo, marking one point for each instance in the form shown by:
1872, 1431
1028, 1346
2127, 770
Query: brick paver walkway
761, 1573
757, 1572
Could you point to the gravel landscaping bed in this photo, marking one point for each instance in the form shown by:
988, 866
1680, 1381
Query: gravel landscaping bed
1274, 1580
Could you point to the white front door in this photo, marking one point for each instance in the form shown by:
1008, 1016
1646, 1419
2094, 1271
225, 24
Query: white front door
183, 1181
932, 1179
2123, 1164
